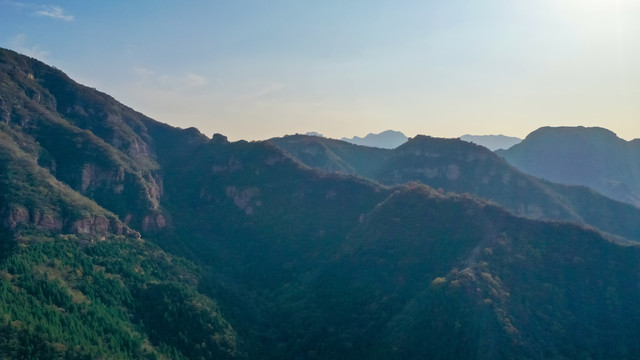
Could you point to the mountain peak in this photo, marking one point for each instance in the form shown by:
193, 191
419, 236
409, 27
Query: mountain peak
590, 132
388, 263
388, 139
441, 144
589, 156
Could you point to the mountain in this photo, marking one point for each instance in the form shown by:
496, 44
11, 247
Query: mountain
593, 157
79, 181
97, 146
492, 142
453, 165
449, 277
198, 248
389, 139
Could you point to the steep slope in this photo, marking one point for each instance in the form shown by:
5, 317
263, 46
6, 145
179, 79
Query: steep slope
85, 138
461, 167
480, 289
457, 166
73, 297
337, 267
593, 157
331, 155
448, 277
67, 278
290, 261
76, 282
30, 197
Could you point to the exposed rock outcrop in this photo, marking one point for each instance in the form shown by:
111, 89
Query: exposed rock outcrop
92, 225
154, 222
15, 216
244, 198
95, 225
94, 176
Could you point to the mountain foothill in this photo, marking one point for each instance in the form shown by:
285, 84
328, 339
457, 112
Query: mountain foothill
125, 238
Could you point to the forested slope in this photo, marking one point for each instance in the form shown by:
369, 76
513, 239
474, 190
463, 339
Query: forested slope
123, 237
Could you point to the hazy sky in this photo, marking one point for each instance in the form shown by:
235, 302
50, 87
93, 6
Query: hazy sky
264, 68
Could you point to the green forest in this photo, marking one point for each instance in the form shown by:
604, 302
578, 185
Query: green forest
125, 238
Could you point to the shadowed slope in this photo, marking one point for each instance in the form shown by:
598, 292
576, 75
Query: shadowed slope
592, 157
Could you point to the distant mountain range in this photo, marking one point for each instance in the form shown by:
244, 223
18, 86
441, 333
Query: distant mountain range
125, 238
453, 165
593, 157
389, 139
492, 142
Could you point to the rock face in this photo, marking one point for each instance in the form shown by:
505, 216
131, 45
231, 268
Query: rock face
14, 217
96, 225
154, 222
101, 148
93, 177
245, 199
57, 136
50, 222
312, 261
92, 225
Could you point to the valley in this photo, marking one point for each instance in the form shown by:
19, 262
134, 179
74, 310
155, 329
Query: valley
126, 238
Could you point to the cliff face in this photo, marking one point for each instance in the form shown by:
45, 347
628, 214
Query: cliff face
31, 196
315, 247
86, 140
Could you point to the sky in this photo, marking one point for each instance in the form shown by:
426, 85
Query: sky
256, 69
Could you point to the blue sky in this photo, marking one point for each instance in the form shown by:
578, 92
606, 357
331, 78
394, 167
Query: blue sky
258, 69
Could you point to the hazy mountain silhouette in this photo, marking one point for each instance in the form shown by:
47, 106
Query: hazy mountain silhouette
593, 157
389, 139
492, 142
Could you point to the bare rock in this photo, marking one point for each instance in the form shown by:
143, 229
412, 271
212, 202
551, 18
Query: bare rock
49, 222
154, 188
91, 225
16, 216
153, 222
88, 176
161, 222
138, 149
245, 199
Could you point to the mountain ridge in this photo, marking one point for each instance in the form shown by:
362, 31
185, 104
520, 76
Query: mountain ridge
457, 166
252, 250
593, 157
388, 139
